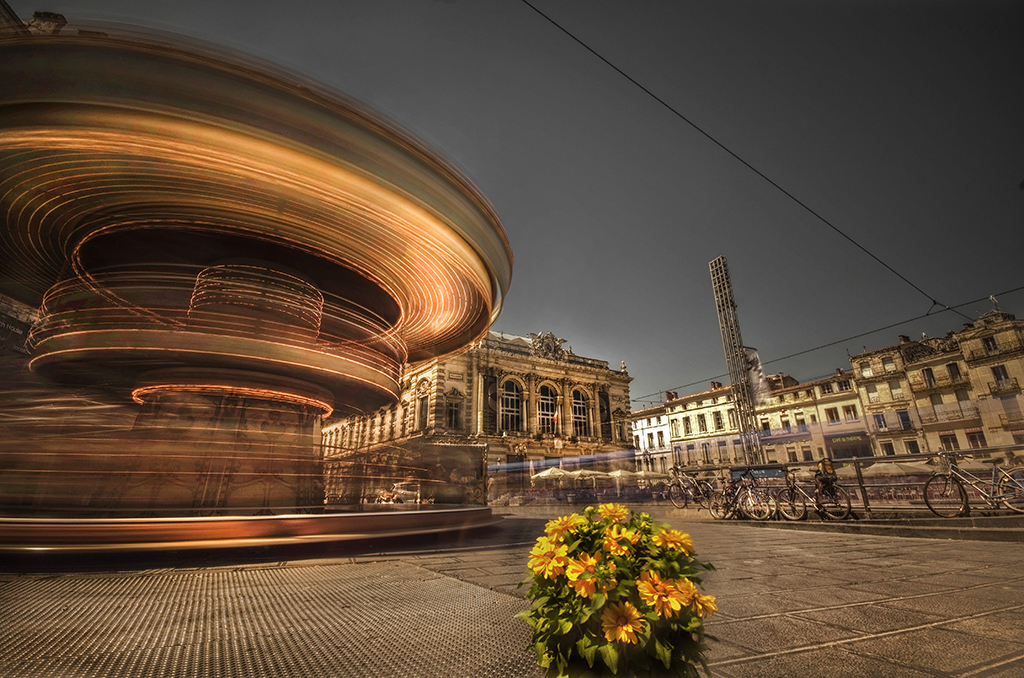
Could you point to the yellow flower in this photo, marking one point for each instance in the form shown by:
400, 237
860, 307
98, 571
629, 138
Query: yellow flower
548, 557
621, 622
675, 540
614, 535
614, 512
703, 605
558, 527
665, 596
585, 565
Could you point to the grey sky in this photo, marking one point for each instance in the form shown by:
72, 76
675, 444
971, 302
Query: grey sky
898, 122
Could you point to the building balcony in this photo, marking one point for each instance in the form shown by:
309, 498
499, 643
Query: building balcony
1003, 386
919, 384
930, 416
1006, 348
779, 435
1011, 420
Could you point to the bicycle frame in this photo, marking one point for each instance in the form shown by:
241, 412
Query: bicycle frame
990, 495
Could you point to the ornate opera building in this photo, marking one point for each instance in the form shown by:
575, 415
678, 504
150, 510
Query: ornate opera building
508, 406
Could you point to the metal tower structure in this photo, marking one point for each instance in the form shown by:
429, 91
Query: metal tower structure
736, 360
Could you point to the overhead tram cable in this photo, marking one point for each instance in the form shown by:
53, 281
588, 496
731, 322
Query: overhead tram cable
746, 164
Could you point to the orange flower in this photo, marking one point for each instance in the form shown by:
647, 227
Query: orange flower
665, 596
585, 565
621, 622
703, 605
674, 540
613, 538
558, 527
614, 512
548, 557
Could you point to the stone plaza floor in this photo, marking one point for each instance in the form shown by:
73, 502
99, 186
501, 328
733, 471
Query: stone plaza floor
791, 603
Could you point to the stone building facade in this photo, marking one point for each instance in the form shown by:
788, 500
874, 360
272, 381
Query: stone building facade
959, 391
499, 412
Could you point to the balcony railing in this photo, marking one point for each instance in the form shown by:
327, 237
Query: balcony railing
1005, 347
1004, 386
1016, 419
919, 384
929, 416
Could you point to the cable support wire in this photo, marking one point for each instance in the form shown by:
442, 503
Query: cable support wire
746, 164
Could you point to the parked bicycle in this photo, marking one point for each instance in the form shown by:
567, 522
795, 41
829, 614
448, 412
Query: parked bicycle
829, 499
945, 495
684, 488
742, 496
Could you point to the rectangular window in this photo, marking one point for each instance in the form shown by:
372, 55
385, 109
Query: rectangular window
872, 393
661, 439
880, 422
850, 412
832, 415
807, 454
844, 385
675, 428
766, 427
865, 369
453, 415
826, 388
650, 441
422, 414
717, 417
786, 428
976, 439
896, 390
888, 364
949, 442
791, 454
911, 446
954, 373
904, 417
929, 376
990, 345
702, 424
888, 449
687, 428
1000, 374
732, 418
801, 425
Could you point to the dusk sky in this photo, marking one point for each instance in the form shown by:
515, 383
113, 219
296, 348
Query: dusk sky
899, 124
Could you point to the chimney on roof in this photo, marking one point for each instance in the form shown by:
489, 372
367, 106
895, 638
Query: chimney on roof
716, 384
904, 339
669, 395
839, 371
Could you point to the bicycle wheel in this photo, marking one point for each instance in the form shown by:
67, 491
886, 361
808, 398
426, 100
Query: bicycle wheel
702, 492
756, 505
677, 494
1011, 491
791, 503
719, 506
835, 503
945, 496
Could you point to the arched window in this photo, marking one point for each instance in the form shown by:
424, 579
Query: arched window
547, 413
511, 406
580, 414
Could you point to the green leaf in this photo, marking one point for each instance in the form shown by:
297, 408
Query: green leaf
565, 626
587, 649
597, 601
663, 652
610, 656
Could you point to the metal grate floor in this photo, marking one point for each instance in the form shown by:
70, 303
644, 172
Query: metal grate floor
351, 619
